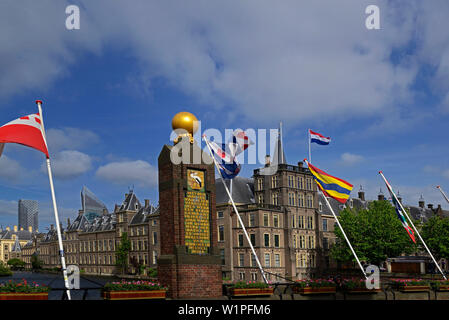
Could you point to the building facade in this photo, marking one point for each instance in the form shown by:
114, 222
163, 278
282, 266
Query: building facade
28, 211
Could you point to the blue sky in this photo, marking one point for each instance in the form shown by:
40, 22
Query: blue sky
111, 88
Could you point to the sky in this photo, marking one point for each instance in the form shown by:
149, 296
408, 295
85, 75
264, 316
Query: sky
111, 88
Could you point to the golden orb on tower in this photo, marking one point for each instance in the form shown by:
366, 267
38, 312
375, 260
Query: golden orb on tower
184, 124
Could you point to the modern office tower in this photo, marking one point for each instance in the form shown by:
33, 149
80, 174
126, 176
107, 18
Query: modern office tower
28, 214
92, 206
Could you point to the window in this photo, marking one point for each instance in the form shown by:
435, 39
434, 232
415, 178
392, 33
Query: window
302, 242
276, 220
241, 259
301, 224
324, 224
291, 181
221, 233
252, 220
310, 222
253, 260
154, 237
308, 184
311, 242
293, 221
253, 276
252, 236
301, 200
300, 183
277, 260
242, 275
312, 261
154, 257
220, 215
320, 206
154, 222
266, 237
325, 243
309, 201
267, 260
295, 241
260, 184
275, 198
274, 181
265, 220
240, 240
276, 240
260, 198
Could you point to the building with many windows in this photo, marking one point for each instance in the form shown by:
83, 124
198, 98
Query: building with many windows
28, 211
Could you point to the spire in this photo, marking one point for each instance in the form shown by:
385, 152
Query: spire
279, 155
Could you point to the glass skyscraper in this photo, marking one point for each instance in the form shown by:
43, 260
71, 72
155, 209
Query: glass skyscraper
28, 214
92, 206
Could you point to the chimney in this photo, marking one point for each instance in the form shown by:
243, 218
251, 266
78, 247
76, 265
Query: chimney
105, 211
80, 212
361, 194
300, 164
267, 160
147, 203
52, 227
15, 228
68, 222
30, 229
381, 196
430, 206
421, 202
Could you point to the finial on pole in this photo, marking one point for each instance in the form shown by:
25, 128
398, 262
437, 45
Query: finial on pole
38, 101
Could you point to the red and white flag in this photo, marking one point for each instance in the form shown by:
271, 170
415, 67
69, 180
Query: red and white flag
26, 131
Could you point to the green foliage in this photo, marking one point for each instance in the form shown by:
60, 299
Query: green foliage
435, 233
398, 283
249, 284
4, 270
132, 286
36, 263
23, 286
375, 234
122, 253
16, 264
438, 284
315, 283
354, 283
152, 272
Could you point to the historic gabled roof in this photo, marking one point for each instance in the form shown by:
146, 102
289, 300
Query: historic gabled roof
16, 247
20, 234
52, 235
242, 190
131, 203
144, 214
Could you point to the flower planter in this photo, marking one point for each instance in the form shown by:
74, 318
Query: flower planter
442, 289
134, 295
251, 292
24, 296
314, 290
414, 288
362, 290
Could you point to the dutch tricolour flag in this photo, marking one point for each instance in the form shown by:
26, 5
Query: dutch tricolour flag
318, 138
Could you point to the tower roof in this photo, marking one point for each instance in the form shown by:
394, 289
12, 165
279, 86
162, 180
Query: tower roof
279, 155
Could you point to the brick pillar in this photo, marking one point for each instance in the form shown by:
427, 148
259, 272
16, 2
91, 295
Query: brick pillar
189, 262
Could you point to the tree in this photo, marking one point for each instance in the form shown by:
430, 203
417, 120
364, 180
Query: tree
16, 264
122, 252
4, 270
435, 233
375, 234
36, 263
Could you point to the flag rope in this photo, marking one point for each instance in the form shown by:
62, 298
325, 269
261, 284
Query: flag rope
237, 212
411, 222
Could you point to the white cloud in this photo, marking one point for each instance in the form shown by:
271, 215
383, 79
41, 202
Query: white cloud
261, 59
69, 164
70, 138
129, 172
10, 169
349, 159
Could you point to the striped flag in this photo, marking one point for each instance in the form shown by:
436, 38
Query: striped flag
26, 131
331, 186
318, 138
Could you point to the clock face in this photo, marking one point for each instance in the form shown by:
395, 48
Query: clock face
195, 180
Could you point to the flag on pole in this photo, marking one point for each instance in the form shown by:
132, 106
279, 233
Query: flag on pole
318, 138
331, 186
226, 154
399, 212
26, 131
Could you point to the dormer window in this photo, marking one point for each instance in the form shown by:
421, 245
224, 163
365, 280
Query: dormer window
137, 206
320, 207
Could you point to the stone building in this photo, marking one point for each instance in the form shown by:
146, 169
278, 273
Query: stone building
12, 241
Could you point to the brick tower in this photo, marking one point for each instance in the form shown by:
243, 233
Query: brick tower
189, 263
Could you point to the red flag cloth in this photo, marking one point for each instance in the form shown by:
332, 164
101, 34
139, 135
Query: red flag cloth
26, 131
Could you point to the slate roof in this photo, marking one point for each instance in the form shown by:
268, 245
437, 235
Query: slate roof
242, 190
21, 234
130, 202
144, 214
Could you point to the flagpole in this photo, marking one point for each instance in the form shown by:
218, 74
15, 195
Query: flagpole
310, 153
411, 222
55, 208
442, 192
237, 212
341, 228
